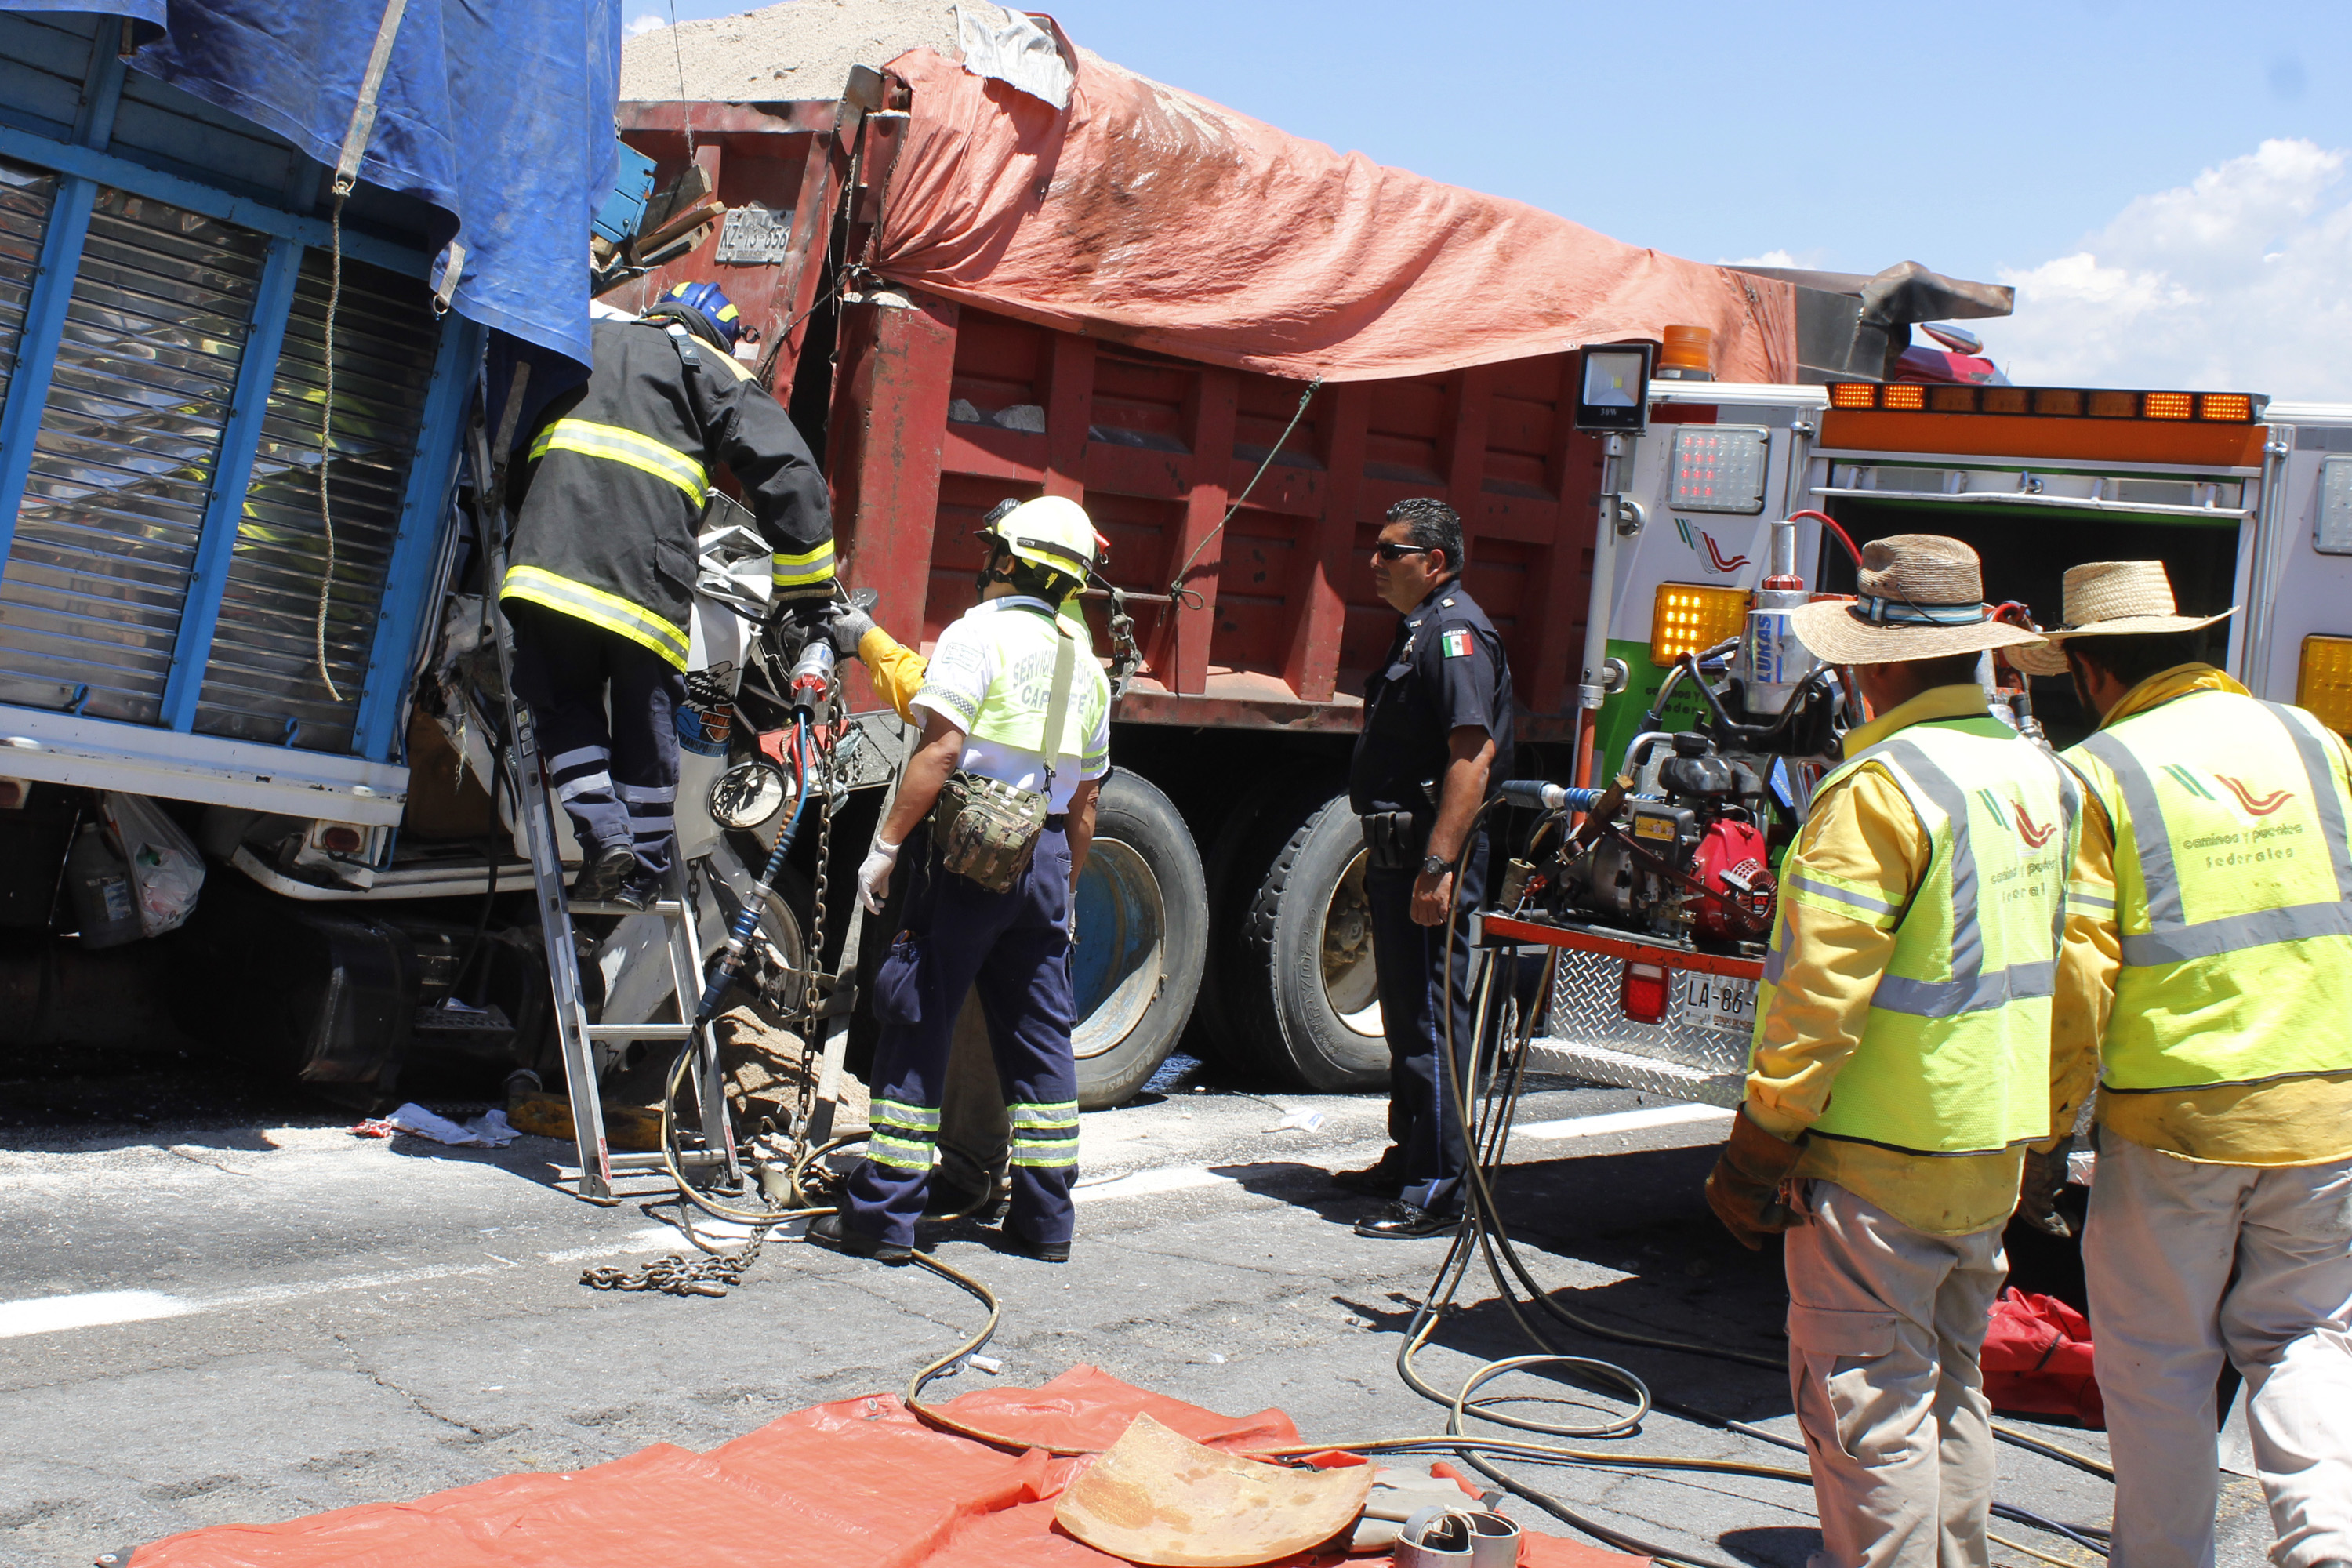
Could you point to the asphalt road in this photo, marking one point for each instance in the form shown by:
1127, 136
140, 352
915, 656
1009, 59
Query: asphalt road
265, 1317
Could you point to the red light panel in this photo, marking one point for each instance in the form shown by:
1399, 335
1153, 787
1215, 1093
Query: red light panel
1642, 992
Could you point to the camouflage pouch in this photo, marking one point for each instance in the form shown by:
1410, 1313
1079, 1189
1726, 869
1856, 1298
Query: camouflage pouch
986, 830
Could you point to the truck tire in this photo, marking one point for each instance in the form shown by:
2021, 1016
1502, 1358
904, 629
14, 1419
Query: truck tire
1308, 1008
1143, 938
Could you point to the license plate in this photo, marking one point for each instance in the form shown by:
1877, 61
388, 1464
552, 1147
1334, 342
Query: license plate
1719, 1001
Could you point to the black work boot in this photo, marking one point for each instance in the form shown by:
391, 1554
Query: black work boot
833, 1233
1011, 1240
1384, 1178
603, 868
638, 891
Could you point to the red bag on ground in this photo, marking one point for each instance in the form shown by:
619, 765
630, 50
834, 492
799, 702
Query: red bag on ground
2037, 1360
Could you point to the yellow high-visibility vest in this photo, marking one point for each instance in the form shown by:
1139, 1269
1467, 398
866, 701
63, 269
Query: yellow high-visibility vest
2233, 893
1954, 1055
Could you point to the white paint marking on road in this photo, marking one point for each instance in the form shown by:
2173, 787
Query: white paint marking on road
1143, 1183
49, 1314
90, 1310
1622, 1122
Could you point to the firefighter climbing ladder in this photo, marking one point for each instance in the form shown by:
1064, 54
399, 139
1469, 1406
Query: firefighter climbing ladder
589, 1047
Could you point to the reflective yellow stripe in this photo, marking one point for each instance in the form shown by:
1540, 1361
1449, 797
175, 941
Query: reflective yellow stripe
599, 608
899, 1152
619, 446
813, 566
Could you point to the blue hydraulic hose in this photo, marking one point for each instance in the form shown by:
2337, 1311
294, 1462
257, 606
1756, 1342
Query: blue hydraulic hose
739, 939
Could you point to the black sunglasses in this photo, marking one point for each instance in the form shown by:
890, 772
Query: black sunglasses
1387, 551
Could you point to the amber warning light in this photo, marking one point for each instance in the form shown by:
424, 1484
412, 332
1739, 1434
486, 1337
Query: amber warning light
2049, 402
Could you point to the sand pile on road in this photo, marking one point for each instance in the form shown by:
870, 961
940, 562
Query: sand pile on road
800, 49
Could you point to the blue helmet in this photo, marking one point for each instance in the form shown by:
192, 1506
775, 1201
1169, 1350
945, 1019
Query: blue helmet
710, 302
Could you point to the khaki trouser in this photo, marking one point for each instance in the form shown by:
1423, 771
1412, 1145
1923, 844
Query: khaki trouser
1885, 1325
2188, 1263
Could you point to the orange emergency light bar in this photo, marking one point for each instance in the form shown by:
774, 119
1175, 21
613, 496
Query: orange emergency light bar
2047, 402
1692, 617
2323, 686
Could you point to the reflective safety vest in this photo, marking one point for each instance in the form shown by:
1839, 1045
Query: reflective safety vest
1024, 644
2233, 884
1955, 1056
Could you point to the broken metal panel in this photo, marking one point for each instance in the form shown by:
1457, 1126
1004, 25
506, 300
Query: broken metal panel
105, 541
26, 196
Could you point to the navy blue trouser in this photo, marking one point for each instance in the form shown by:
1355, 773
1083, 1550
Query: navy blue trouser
1013, 949
1425, 1122
616, 776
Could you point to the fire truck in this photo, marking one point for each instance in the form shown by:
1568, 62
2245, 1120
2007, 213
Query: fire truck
1731, 512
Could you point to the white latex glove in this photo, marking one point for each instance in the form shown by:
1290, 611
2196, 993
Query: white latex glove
873, 876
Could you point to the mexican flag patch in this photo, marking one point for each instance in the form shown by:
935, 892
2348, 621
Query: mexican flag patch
1454, 642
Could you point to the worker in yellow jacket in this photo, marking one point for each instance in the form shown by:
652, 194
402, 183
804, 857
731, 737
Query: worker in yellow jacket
1900, 1060
2207, 982
973, 1176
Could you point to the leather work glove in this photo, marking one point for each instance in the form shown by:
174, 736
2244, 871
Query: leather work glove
1744, 1189
2037, 1197
846, 630
873, 876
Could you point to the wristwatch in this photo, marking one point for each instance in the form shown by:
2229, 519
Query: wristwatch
1435, 866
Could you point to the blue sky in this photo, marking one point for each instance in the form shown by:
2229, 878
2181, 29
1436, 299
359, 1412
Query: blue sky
2166, 185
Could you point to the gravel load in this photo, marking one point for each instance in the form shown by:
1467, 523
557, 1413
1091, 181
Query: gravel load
800, 49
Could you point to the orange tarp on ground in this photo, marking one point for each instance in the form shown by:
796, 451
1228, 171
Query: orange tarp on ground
1146, 215
859, 1483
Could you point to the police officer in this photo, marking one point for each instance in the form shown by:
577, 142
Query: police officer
2206, 981
987, 700
1436, 718
600, 582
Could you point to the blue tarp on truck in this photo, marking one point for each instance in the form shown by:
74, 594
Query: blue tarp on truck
500, 116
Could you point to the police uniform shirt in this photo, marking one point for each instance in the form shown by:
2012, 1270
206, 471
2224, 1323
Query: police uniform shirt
1446, 670
966, 663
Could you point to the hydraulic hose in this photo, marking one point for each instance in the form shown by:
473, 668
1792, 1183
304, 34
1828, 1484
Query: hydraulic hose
739, 940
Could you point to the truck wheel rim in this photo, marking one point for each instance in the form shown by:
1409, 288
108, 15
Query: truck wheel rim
1350, 982
1115, 969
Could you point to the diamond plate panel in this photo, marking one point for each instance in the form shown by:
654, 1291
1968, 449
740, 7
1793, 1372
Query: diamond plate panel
1589, 1035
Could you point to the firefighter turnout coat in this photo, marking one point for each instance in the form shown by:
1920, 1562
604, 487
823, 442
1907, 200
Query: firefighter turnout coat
620, 472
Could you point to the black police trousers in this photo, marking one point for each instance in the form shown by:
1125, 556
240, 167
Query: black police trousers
1418, 989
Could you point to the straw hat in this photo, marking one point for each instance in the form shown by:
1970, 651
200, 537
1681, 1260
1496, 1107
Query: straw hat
2111, 599
1922, 598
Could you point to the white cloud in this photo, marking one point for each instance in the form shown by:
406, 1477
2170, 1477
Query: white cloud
1769, 258
646, 24
2240, 279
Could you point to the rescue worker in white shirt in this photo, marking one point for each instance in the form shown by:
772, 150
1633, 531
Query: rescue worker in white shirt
988, 700
600, 579
2206, 983
1901, 1059
973, 1176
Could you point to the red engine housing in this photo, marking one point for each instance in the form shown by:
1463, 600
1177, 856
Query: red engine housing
1736, 912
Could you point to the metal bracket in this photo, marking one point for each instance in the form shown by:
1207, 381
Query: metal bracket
1631, 517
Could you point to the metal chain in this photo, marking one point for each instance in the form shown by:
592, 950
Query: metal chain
812, 950
674, 1276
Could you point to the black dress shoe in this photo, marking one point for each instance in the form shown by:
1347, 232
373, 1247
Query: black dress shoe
602, 870
1384, 1178
1401, 1220
1011, 1240
830, 1231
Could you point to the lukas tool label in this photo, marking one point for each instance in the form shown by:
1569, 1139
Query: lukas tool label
1778, 657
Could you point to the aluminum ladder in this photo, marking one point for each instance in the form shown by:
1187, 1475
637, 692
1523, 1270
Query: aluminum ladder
590, 1047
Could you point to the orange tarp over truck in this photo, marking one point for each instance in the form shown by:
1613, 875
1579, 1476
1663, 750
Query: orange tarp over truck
859, 1483
1151, 217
